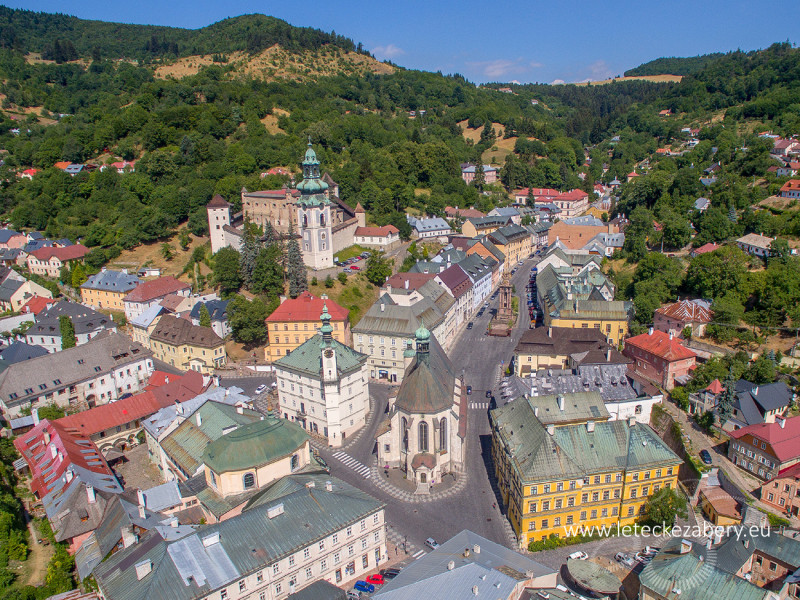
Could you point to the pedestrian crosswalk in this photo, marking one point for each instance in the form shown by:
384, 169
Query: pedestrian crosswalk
483, 405
351, 462
418, 554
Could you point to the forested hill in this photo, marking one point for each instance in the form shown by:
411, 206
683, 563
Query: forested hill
674, 65
62, 37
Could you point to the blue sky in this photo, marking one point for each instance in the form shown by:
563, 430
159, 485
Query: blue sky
533, 40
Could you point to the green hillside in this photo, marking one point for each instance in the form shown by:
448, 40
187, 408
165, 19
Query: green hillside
674, 65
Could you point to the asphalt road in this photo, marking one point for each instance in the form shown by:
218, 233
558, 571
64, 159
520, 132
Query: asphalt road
482, 359
250, 383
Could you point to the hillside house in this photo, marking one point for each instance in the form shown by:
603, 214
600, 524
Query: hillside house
50, 260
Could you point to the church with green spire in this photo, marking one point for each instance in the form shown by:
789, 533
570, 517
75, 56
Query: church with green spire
311, 211
322, 385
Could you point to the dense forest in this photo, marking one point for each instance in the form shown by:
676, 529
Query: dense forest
674, 65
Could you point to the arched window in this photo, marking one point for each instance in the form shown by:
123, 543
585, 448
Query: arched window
405, 435
305, 221
249, 481
295, 462
423, 436
322, 219
443, 435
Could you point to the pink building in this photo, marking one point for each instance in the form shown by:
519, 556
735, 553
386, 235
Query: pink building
10, 239
660, 357
468, 173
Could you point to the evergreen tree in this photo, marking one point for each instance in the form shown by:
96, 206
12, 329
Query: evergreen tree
267, 277
78, 276
184, 240
249, 249
226, 271
166, 251
67, 332
205, 316
732, 214
296, 268
480, 177
725, 406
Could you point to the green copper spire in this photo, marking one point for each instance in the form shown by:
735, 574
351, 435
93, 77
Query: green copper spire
312, 189
327, 329
422, 334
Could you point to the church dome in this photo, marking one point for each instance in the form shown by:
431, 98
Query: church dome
422, 334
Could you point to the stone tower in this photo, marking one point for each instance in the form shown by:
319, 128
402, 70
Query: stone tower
361, 215
219, 215
314, 215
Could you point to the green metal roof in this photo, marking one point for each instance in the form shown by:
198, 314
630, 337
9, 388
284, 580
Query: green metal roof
572, 451
254, 445
307, 357
185, 445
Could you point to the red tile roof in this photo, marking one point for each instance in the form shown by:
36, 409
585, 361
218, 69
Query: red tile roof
73, 447
415, 280
660, 344
792, 472
575, 194
108, 416
176, 388
791, 185
784, 440
218, 202
715, 387
306, 308
464, 213
73, 252
687, 311
705, 248
36, 305
377, 231
155, 288
63, 164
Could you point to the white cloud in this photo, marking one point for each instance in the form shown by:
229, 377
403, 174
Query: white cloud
557, 82
388, 52
599, 70
500, 68
535, 65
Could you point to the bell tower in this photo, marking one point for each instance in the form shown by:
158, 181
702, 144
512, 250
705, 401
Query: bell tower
314, 215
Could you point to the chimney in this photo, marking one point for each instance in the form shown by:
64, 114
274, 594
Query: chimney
549, 332
143, 569
178, 408
383, 306
590, 426
140, 497
551, 429
240, 409
474, 590
53, 451
35, 415
451, 565
755, 391
405, 284
142, 513
560, 400
670, 334
686, 546
608, 355
466, 552
650, 331
216, 380
747, 543
166, 379
90, 495
631, 421
476, 549
128, 536
199, 419
781, 422
708, 544
46, 437
328, 486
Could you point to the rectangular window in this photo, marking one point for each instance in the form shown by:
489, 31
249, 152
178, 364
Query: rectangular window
291, 560
594, 513
336, 558
544, 524
306, 552
569, 519
242, 586
335, 538
260, 577
557, 522
558, 503
309, 573
223, 595
323, 564
583, 515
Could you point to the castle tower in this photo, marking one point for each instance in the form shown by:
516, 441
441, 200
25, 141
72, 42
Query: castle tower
219, 215
314, 215
361, 215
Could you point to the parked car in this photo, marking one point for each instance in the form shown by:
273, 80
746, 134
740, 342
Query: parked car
643, 558
376, 579
261, 388
432, 543
355, 268
353, 595
579, 555
389, 574
469, 325
363, 586
705, 456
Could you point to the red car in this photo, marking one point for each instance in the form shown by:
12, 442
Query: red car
376, 579
355, 268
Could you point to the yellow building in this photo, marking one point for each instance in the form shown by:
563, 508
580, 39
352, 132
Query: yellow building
482, 225
552, 347
718, 506
296, 321
107, 288
514, 241
556, 477
189, 347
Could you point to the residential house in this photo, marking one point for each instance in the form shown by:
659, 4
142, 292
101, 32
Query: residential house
36, 305
704, 249
782, 492
122, 166
788, 170
479, 271
468, 565
434, 227
660, 357
754, 404
538, 195
148, 293
408, 281
766, 449
540, 234
462, 213
217, 311
768, 558
98, 372
179, 343
719, 507
554, 475
791, 189
86, 323
345, 539
468, 173
12, 240
107, 288
755, 244
545, 348
675, 317
476, 226
295, 321
143, 325
9, 258
784, 147
514, 241
382, 238
70, 477
508, 212
483, 247
456, 281
50, 260
18, 352
702, 204
707, 399
322, 385
15, 290
691, 568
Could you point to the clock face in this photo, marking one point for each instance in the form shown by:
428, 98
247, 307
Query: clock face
328, 353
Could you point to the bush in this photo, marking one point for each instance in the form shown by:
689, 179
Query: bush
314, 281
329, 282
776, 521
342, 277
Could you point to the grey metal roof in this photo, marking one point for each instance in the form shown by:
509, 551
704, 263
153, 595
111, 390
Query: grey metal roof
145, 319
432, 224
190, 568
217, 309
162, 496
84, 319
428, 385
319, 590
394, 319
111, 281
8, 288
7, 234
21, 382
19, 351
494, 569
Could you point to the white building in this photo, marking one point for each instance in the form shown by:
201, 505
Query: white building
383, 238
323, 386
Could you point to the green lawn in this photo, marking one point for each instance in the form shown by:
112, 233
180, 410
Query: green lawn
356, 296
350, 252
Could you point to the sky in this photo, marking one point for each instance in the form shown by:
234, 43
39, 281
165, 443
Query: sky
500, 40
